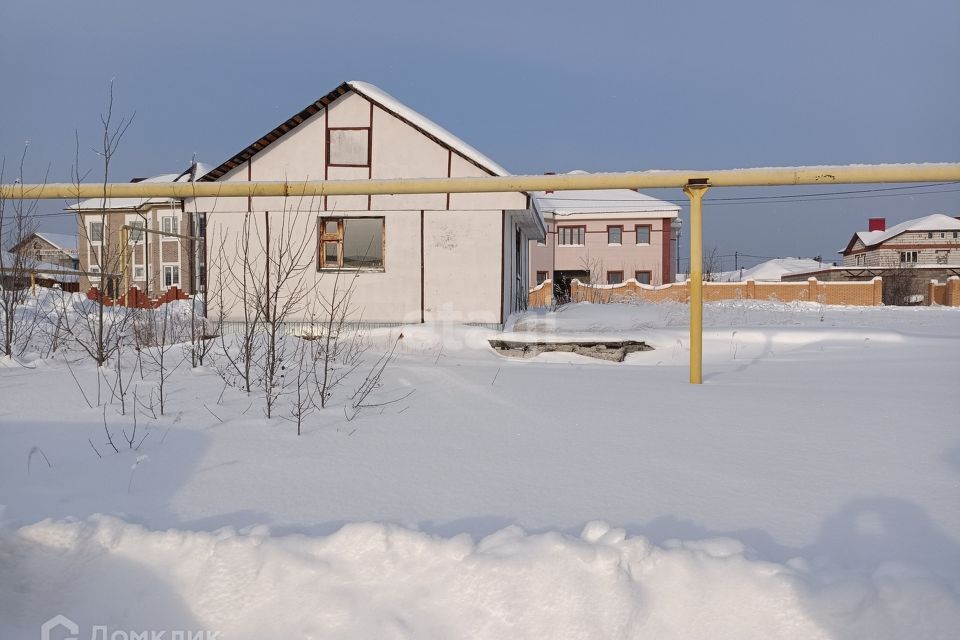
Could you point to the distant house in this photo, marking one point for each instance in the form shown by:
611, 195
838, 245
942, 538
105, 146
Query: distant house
21, 270
154, 262
604, 236
50, 248
907, 256
458, 257
931, 240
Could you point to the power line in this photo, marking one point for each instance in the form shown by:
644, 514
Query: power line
799, 196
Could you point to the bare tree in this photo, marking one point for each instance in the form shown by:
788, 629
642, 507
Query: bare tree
372, 381
902, 285
53, 329
711, 265
336, 348
280, 294
17, 223
302, 401
101, 338
166, 331
236, 273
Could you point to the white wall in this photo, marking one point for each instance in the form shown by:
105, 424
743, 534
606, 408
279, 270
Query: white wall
463, 249
462, 263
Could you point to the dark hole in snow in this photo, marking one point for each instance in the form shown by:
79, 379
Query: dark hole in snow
612, 350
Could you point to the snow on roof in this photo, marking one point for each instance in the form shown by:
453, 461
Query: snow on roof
598, 201
63, 241
135, 203
419, 120
773, 270
43, 269
934, 222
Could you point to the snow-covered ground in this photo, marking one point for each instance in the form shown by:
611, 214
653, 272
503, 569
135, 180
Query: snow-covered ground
810, 488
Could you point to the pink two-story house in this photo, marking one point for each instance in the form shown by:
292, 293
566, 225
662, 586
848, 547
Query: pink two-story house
603, 236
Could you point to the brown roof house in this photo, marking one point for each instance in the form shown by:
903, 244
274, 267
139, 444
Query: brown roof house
907, 256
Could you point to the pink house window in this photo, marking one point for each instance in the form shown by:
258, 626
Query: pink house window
643, 234
615, 234
571, 235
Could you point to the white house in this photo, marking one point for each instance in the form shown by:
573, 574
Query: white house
415, 258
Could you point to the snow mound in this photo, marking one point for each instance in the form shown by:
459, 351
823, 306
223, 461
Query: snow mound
773, 270
373, 581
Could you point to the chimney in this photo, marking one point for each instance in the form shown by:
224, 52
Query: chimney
549, 173
877, 224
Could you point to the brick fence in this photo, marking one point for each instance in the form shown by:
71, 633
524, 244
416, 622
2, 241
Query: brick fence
541, 295
137, 299
867, 293
946, 294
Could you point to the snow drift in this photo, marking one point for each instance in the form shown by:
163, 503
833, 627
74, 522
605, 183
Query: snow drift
382, 581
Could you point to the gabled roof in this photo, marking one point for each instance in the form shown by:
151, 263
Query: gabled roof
42, 269
623, 202
383, 100
933, 222
96, 204
65, 242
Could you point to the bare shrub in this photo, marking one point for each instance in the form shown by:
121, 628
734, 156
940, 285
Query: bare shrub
17, 223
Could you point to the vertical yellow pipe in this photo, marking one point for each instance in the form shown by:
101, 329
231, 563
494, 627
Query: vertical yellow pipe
695, 191
33, 282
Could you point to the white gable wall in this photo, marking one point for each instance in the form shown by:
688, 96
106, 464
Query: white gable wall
400, 151
455, 273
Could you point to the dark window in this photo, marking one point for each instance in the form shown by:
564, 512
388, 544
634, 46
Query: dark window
614, 277
171, 276
541, 277
351, 243
614, 235
907, 257
643, 234
643, 277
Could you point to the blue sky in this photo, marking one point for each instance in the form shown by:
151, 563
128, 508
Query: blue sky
551, 86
